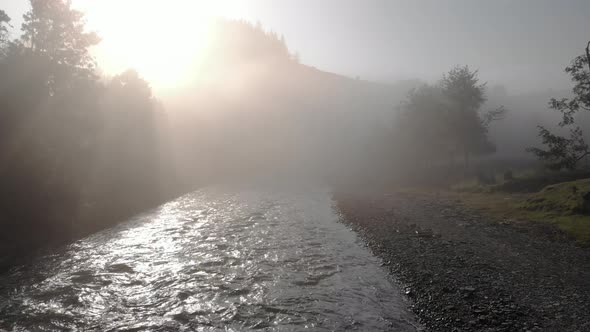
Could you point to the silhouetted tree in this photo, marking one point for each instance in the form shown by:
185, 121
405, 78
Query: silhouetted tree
445, 119
55, 34
243, 42
561, 152
565, 152
4, 23
422, 125
76, 153
465, 97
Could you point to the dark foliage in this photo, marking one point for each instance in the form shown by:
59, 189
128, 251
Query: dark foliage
561, 152
4, 22
566, 152
440, 122
76, 153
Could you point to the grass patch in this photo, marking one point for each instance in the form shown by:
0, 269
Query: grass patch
524, 181
530, 182
472, 186
563, 199
567, 205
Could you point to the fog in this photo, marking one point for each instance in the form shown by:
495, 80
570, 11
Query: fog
263, 164
340, 93
268, 113
523, 45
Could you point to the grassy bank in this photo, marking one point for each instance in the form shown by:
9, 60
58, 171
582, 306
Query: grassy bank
530, 197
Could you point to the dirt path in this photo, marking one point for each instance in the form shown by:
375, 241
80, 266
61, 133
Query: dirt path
466, 272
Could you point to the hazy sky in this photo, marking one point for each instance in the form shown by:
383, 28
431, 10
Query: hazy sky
524, 44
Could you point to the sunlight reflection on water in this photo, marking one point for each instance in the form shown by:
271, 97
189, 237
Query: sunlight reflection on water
219, 258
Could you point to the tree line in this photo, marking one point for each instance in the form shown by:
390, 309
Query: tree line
439, 123
80, 151
76, 150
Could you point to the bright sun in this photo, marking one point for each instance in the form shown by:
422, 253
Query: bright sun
162, 39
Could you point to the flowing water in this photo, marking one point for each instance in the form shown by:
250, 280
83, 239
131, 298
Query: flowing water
218, 259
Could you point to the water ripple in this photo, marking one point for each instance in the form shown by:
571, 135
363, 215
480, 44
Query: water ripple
216, 259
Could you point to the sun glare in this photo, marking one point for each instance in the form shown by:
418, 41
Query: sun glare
162, 39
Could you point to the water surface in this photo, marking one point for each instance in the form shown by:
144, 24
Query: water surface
216, 259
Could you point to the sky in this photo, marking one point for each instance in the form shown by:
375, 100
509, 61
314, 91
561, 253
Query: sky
524, 44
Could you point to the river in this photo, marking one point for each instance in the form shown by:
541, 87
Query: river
224, 258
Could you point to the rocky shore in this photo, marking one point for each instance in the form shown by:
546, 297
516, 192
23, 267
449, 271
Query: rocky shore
467, 272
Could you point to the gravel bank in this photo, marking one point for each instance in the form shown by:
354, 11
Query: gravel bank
466, 272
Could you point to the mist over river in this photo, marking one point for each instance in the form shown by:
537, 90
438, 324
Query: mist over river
221, 258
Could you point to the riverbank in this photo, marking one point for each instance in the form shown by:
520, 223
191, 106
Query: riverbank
465, 271
21, 244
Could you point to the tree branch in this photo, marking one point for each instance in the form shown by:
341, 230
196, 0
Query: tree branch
582, 156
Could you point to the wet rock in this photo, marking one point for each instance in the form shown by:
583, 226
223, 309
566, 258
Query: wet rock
468, 289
